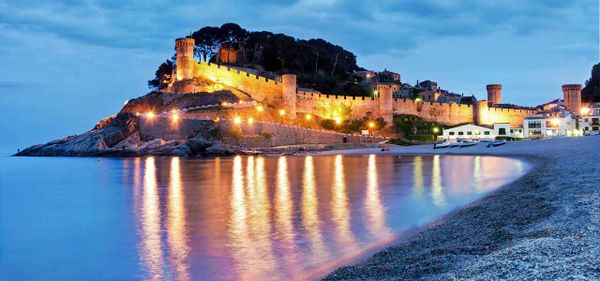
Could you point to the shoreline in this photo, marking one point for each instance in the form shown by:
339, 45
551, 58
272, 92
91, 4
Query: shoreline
522, 230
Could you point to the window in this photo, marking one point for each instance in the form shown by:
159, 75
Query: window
487, 133
535, 124
585, 120
512, 131
502, 131
460, 133
469, 133
535, 132
451, 133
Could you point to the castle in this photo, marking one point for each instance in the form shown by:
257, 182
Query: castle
283, 92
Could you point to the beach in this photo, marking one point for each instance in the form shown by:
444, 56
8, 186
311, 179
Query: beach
543, 226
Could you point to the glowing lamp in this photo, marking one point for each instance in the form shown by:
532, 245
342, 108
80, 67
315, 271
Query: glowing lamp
250, 120
338, 121
371, 125
417, 99
150, 115
555, 121
260, 108
174, 116
585, 111
281, 112
307, 116
436, 130
237, 120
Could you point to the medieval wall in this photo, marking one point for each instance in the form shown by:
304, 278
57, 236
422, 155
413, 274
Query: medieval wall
489, 115
361, 106
260, 88
445, 113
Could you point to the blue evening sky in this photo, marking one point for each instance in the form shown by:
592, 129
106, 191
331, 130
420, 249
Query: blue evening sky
67, 64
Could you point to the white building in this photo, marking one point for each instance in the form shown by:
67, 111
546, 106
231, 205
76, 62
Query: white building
477, 132
590, 118
550, 125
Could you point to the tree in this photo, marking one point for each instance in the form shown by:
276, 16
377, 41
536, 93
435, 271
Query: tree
207, 42
161, 74
591, 91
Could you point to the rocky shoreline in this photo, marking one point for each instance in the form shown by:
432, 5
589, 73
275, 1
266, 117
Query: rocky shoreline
544, 226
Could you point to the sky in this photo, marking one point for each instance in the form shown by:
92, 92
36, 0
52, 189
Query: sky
64, 65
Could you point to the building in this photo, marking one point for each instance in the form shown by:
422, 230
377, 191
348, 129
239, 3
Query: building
389, 76
550, 125
590, 118
429, 85
476, 132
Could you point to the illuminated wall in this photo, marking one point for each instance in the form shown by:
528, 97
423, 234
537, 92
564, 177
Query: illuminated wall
489, 115
260, 88
446, 113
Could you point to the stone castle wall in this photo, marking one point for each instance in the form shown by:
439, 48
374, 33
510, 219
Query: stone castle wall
361, 106
487, 115
258, 134
445, 113
260, 88
285, 94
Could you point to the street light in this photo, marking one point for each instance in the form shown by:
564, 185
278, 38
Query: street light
260, 108
150, 115
281, 112
237, 120
585, 111
308, 116
371, 125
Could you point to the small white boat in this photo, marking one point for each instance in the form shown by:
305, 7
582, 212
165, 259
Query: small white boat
467, 143
455, 144
496, 143
441, 145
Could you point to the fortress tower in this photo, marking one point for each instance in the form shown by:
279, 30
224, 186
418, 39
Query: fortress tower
289, 94
494, 93
572, 97
185, 58
386, 108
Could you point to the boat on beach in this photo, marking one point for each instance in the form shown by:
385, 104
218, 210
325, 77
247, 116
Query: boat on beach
441, 145
467, 143
496, 143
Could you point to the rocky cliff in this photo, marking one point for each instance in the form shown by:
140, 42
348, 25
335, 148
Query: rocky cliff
119, 135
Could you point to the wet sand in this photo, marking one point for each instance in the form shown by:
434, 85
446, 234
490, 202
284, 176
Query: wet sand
543, 226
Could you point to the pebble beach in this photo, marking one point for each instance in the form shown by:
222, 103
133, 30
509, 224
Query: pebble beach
543, 226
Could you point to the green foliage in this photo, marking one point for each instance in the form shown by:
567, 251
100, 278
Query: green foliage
161, 73
401, 141
351, 126
591, 91
328, 124
411, 125
333, 109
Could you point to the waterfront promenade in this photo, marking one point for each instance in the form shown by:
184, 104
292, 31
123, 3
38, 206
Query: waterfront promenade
544, 226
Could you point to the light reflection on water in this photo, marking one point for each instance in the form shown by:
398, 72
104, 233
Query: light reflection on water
286, 217
246, 218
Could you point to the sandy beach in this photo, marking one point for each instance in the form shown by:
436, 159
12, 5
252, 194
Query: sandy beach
543, 226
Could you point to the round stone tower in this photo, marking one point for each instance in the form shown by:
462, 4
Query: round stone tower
572, 97
386, 107
494, 93
289, 94
185, 58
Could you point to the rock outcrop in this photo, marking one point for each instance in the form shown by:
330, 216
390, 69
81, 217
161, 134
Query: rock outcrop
119, 135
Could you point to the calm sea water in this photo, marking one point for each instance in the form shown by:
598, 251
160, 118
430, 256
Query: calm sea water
247, 218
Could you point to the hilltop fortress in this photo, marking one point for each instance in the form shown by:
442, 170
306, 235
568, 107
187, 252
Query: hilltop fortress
191, 76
